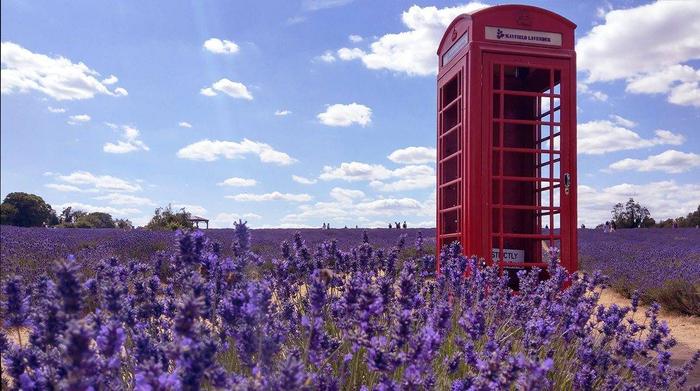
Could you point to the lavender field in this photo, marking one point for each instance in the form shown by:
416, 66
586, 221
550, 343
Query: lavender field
309, 315
664, 264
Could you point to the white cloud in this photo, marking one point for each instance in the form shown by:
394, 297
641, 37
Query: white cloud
413, 51
381, 178
346, 54
414, 155
355, 171
233, 89
303, 180
391, 205
238, 182
598, 137
295, 20
210, 150
57, 77
327, 56
627, 123
218, 46
274, 196
120, 92
99, 182
648, 54
282, 113
346, 115
56, 109
115, 212
346, 195
129, 143
664, 199
125, 199
409, 178
596, 95
315, 5
184, 124
355, 38
110, 80
419, 182
62, 187
79, 118
680, 82
192, 208
207, 91
350, 208
671, 161
226, 220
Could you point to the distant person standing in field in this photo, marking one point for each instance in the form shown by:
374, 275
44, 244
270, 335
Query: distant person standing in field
613, 226
390, 227
404, 224
606, 229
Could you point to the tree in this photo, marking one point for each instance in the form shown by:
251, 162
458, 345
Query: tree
7, 213
691, 220
167, 219
124, 224
26, 210
632, 215
70, 215
95, 220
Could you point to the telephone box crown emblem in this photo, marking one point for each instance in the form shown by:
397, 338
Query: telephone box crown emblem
523, 18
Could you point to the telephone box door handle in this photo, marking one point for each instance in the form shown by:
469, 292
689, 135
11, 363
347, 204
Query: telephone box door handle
567, 183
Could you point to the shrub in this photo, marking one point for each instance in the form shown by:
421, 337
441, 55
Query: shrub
167, 219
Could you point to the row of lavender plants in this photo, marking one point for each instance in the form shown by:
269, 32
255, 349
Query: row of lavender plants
323, 318
25, 251
663, 264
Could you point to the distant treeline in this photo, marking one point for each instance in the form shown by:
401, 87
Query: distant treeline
30, 210
633, 215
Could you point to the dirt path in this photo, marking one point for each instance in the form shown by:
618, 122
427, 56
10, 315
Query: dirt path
685, 329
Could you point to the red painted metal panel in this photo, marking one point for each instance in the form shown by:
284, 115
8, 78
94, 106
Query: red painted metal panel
506, 135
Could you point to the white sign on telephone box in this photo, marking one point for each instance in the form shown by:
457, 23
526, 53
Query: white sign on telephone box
509, 255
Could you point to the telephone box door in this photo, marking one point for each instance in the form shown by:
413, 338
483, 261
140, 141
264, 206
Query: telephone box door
528, 122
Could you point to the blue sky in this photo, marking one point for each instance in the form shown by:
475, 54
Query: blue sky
292, 113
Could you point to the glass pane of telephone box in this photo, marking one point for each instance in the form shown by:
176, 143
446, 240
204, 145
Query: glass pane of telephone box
522, 250
450, 169
547, 244
519, 164
450, 222
450, 91
519, 136
450, 118
520, 78
520, 107
450, 195
450, 143
519, 193
495, 249
496, 76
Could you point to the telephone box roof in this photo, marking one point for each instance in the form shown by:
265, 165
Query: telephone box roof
511, 16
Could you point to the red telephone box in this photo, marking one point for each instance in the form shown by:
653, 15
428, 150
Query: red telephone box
506, 136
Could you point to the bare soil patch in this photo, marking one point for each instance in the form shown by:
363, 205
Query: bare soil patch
685, 329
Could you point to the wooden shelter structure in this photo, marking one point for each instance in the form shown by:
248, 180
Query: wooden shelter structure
196, 220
